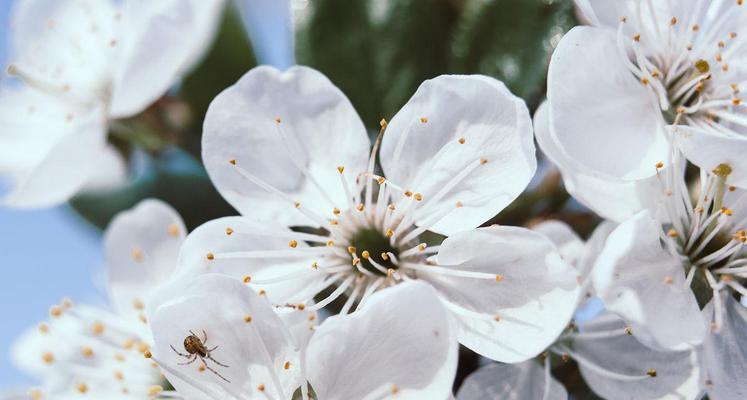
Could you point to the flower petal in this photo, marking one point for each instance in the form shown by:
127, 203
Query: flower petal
525, 381
252, 340
154, 51
725, 353
519, 313
400, 344
569, 244
600, 115
47, 174
639, 280
708, 151
677, 372
460, 139
236, 235
610, 197
318, 131
141, 247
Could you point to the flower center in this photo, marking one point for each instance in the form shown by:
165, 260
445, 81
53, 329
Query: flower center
373, 247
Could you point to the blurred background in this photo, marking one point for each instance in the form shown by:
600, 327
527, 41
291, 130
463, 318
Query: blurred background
376, 51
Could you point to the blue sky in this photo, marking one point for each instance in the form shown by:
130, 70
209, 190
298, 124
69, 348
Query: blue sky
44, 256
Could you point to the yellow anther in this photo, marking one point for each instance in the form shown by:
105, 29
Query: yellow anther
384, 256
644, 81
154, 391
365, 255
673, 21
201, 368
668, 280
210, 256
637, 37
229, 231
461, 140
360, 207
97, 328
389, 272
55, 311
330, 243
278, 120
389, 233
118, 375
248, 319
391, 207
174, 230
48, 357
336, 211
352, 249
296, 204
497, 318
395, 389
628, 331
147, 354
721, 44
623, 19
232, 161
722, 170
315, 265
423, 120
82, 387
301, 306
287, 365
680, 110
36, 394
293, 244
262, 292
247, 279
383, 124
43, 328
261, 387
726, 211
651, 372
408, 193
137, 254
356, 261
733, 35
696, 27
381, 180
483, 161
672, 233
727, 278
418, 197
659, 165
498, 277
333, 222
340, 169
422, 246
459, 204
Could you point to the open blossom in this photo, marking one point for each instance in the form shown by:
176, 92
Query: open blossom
89, 350
84, 65
618, 87
400, 345
288, 149
675, 273
611, 359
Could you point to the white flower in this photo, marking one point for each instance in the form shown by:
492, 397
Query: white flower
660, 268
90, 350
287, 148
400, 345
86, 64
614, 88
613, 362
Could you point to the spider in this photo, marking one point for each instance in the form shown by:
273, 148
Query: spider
197, 349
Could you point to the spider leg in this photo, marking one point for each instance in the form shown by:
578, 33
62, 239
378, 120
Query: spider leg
192, 359
213, 371
216, 361
209, 350
205, 336
181, 354
193, 334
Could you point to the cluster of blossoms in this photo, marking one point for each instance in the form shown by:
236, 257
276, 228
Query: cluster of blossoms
643, 119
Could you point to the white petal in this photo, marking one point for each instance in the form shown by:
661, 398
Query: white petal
109, 174
600, 115
422, 149
270, 27
708, 150
569, 244
141, 247
523, 381
50, 173
677, 372
610, 197
593, 248
251, 339
161, 41
639, 280
246, 236
725, 353
534, 299
319, 131
399, 342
